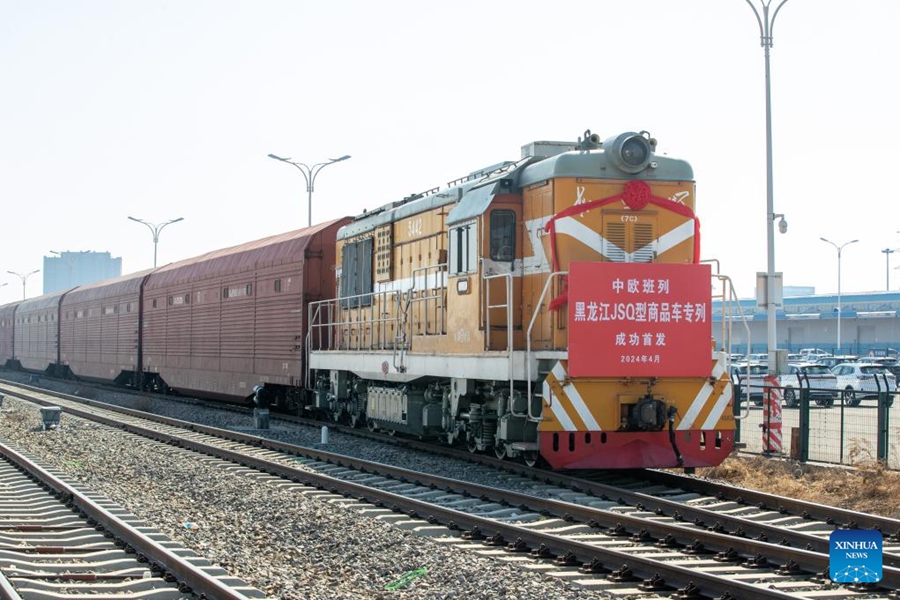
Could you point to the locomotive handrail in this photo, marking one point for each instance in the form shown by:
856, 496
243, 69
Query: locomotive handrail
403, 301
732, 299
354, 306
537, 311
440, 281
509, 320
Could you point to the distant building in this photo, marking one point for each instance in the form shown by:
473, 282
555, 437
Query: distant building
795, 290
870, 322
66, 270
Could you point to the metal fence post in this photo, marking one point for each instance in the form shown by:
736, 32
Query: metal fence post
884, 405
804, 425
841, 436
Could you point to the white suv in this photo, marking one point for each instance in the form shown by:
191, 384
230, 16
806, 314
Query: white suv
821, 383
864, 380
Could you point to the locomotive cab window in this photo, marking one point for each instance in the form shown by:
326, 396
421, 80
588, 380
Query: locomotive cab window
503, 235
463, 251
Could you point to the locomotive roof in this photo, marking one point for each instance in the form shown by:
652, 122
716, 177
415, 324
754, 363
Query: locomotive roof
473, 195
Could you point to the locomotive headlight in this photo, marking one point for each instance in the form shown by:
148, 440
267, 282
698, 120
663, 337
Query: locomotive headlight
630, 152
634, 151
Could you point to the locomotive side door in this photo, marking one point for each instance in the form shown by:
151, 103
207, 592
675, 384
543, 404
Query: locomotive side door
502, 270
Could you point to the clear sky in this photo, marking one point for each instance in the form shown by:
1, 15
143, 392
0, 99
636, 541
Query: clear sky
165, 109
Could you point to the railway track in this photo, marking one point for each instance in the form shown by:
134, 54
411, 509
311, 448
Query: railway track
584, 533
56, 539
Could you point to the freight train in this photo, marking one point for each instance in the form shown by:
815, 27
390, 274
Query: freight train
552, 308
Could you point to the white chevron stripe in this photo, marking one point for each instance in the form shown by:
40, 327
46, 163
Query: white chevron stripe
669, 240
593, 240
716, 413
687, 421
558, 411
575, 398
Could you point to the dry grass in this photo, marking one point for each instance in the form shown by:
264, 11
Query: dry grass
867, 487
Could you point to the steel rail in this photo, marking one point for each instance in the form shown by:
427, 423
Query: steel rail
712, 528
182, 569
830, 514
645, 568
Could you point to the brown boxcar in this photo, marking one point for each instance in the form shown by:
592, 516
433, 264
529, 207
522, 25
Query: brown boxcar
99, 335
219, 324
7, 332
37, 332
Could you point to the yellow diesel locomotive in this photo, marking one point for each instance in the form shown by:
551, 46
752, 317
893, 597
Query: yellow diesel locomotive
552, 308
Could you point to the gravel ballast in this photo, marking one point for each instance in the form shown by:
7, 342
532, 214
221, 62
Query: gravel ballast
266, 531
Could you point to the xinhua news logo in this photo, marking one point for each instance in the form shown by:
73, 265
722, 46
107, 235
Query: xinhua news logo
856, 556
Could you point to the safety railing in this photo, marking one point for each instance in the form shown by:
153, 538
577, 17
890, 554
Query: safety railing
731, 305
371, 321
506, 306
428, 297
537, 310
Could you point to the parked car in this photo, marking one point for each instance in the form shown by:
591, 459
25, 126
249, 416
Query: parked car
758, 357
812, 354
748, 378
892, 364
830, 361
818, 379
864, 380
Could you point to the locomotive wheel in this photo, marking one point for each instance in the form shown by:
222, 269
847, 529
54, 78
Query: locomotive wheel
531, 458
355, 421
390, 432
371, 425
500, 451
472, 444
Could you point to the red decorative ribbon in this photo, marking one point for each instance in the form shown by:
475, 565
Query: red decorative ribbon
636, 195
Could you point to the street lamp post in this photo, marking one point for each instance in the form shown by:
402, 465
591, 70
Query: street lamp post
309, 174
887, 260
839, 248
155, 229
887, 271
765, 34
24, 277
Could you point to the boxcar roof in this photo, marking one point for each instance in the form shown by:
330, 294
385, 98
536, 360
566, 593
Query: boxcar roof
42, 302
274, 250
108, 288
7, 310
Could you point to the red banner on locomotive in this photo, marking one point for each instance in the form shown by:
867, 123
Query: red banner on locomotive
638, 320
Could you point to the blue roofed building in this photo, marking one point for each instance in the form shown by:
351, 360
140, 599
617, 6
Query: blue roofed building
869, 323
